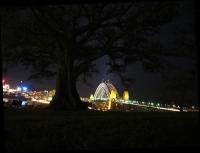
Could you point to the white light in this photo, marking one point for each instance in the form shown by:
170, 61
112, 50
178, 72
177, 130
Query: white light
24, 103
5, 99
11, 90
193, 107
19, 88
50, 98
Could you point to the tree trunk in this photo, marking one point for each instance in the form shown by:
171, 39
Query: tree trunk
66, 96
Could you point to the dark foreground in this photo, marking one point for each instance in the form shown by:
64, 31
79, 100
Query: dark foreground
45, 130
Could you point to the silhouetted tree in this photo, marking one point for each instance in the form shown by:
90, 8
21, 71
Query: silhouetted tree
71, 37
179, 87
180, 84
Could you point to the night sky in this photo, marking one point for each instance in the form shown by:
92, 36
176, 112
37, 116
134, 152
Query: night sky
147, 85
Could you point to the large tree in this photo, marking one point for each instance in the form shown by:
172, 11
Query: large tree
71, 37
180, 86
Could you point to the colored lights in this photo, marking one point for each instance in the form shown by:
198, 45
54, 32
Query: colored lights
24, 88
6, 86
19, 88
24, 103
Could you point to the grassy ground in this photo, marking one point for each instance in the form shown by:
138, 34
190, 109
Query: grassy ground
45, 130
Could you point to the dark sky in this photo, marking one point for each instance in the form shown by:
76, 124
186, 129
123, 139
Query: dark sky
147, 85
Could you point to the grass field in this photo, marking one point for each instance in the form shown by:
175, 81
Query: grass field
45, 130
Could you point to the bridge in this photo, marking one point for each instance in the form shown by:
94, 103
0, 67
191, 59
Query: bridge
104, 93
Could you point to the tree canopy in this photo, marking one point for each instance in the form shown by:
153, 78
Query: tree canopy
118, 30
71, 37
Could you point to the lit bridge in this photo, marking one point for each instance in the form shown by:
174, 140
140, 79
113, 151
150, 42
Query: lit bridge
103, 93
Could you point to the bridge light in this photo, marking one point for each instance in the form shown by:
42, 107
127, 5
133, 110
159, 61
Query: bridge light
112, 97
113, 94
126, 95
91, 98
